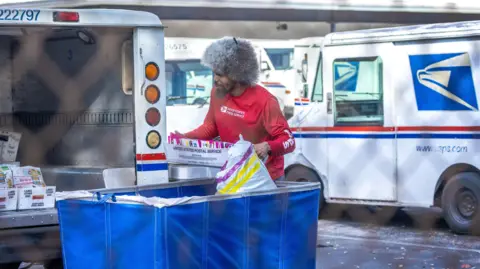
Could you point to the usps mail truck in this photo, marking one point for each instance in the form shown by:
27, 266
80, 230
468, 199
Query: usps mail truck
85, 92
394, 121
307, 55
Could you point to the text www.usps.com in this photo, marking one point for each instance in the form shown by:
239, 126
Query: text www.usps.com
443, 149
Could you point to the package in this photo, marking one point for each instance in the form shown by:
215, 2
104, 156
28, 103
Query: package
9, 142
8, 199
196, 152
27, 177
197, 143
36, 197
243, 171
6, 176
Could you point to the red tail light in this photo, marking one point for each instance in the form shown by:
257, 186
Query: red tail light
64, 16
152, 116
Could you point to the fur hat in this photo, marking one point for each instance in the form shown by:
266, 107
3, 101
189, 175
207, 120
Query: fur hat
234, 58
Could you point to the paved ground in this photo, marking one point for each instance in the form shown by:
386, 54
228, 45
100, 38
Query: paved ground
400, 243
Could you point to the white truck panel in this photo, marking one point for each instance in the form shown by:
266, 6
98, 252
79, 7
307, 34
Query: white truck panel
150, 46
361, 162
421, 161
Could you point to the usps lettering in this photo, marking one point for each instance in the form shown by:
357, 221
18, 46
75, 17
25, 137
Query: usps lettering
443, 82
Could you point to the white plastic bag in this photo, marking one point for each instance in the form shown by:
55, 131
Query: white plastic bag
243, 171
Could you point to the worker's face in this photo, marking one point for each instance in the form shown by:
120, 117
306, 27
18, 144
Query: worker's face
223, 85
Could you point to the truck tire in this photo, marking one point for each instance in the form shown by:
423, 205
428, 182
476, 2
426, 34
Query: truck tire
54, 264
461, 203
304, 174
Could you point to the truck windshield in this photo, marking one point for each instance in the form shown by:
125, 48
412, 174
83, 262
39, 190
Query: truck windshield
188, 82
281, 58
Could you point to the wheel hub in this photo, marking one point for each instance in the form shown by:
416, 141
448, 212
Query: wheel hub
466, 203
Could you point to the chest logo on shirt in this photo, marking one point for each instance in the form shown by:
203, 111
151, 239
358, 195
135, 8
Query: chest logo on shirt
232, 112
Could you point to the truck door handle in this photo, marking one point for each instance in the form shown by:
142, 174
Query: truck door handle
329, 103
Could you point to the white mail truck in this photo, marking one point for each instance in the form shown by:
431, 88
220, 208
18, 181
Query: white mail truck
86, 90
394, 121
307, 55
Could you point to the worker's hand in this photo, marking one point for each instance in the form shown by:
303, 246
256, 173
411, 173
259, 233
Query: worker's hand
262, 149
177, 134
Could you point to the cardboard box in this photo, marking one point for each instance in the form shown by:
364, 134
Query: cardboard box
36, 198
8, 199
6, 177
215, 157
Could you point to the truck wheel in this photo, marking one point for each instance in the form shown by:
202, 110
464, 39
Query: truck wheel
304, 174
461, 203
54, 264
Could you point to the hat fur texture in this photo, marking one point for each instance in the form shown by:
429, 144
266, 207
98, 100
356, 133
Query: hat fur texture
233, 57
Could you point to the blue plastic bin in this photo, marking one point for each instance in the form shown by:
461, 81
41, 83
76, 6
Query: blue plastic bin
259, 230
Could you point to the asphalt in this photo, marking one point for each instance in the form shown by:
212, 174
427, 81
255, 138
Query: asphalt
400, 243
346, 251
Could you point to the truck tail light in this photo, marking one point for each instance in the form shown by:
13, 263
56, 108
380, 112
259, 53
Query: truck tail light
153, 139
152, 94
64, 16
152, 116
151, 71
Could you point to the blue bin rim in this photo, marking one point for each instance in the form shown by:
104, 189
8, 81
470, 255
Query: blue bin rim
167, 185
283, 187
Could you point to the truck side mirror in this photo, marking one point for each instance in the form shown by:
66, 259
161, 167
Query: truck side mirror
127, 67
264, 66
304, 70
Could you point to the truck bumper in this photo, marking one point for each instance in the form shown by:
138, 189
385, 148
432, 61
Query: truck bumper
40, 243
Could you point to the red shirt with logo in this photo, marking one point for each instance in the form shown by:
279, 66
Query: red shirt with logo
256, 115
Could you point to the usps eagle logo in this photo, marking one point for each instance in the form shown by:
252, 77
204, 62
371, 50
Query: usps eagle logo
443, 82
346, 76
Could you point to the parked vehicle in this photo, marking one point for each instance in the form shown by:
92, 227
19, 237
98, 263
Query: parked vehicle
393, 121
62, 74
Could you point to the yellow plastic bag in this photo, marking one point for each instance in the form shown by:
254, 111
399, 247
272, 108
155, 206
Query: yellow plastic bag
243, 171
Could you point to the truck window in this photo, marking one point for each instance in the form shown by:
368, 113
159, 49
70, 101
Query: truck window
281, 58
188, 82
358, 91
317, 95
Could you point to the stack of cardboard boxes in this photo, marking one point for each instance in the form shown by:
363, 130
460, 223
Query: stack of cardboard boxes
21, 187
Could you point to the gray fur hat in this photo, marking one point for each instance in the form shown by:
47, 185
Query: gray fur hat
234, 58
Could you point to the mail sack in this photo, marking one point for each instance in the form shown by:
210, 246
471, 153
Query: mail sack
243, 171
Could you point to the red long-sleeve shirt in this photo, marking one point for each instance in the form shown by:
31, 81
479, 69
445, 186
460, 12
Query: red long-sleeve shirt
256, 115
